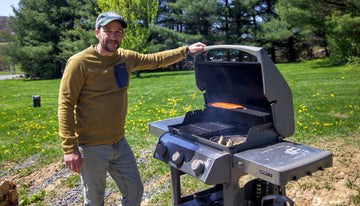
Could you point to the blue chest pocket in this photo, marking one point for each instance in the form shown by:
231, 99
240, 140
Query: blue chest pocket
121, 75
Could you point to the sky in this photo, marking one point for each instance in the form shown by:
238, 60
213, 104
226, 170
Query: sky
5, 7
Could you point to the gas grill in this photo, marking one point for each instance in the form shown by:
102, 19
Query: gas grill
247, 114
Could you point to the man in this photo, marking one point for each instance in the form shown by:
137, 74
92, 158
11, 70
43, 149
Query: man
93, 106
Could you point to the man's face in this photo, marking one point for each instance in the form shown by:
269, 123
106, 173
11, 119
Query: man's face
110, 37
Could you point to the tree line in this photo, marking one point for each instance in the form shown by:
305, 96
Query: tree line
48, 32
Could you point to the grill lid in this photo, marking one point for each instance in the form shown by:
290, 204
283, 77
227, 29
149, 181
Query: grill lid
245, 76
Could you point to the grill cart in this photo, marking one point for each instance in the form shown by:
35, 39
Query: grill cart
248, 111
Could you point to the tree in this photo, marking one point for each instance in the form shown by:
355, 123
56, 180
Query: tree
307, 15
199, 17
333, 24
170, 16
82, 35
165, 38
344, 38
40, 26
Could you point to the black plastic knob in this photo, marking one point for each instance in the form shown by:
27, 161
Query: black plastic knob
161, 149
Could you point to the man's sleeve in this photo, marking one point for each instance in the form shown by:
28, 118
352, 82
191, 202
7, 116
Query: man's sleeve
160, 59
70, 87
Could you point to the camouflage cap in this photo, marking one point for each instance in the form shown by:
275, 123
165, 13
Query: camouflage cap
108, 17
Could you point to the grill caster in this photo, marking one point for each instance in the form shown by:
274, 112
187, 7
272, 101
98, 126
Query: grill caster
277, 200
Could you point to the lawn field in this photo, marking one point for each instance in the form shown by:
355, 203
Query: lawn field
326, 107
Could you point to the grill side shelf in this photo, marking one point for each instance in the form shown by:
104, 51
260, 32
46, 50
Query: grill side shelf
160, 127
282, 162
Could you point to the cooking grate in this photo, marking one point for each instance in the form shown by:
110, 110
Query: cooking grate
205, 128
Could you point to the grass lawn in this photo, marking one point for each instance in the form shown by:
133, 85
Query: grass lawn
326, 106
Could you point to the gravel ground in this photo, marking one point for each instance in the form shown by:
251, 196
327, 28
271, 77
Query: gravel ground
52, 181
11, 76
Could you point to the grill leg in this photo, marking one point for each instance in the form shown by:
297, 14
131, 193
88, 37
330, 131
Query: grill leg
232, 193
175, 186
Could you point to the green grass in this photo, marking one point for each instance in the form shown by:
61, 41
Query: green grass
326, 106
326, 99
25, 130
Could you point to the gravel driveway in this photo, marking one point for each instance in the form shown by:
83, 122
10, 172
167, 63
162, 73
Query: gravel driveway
11, 76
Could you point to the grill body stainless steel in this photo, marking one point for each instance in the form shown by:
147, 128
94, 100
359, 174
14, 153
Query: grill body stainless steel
193, 144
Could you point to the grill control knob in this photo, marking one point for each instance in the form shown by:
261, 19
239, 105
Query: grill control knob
161, 149
198, 166
177, 157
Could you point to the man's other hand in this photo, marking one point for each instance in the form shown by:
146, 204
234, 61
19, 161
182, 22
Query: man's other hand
73, 160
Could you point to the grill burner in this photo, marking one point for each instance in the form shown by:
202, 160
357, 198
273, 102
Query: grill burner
248, 111
216, 132
229, 140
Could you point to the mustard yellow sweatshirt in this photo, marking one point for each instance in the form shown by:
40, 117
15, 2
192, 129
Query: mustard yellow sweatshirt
93, 94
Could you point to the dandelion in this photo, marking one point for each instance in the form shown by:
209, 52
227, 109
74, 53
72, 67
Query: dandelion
6, 151
332, 95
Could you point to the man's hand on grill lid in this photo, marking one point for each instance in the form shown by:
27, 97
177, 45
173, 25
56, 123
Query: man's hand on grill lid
193, 48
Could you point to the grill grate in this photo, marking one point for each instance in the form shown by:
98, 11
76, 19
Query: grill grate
205, 128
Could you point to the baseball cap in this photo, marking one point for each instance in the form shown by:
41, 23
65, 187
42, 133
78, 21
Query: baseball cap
107, 17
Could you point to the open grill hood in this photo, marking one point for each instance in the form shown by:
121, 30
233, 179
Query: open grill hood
225, 74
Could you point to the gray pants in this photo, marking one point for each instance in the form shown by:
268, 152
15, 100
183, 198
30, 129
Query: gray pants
117, 159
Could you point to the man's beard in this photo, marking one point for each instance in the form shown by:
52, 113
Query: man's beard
105, 46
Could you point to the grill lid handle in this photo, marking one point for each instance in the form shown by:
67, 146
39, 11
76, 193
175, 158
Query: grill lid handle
249, 49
